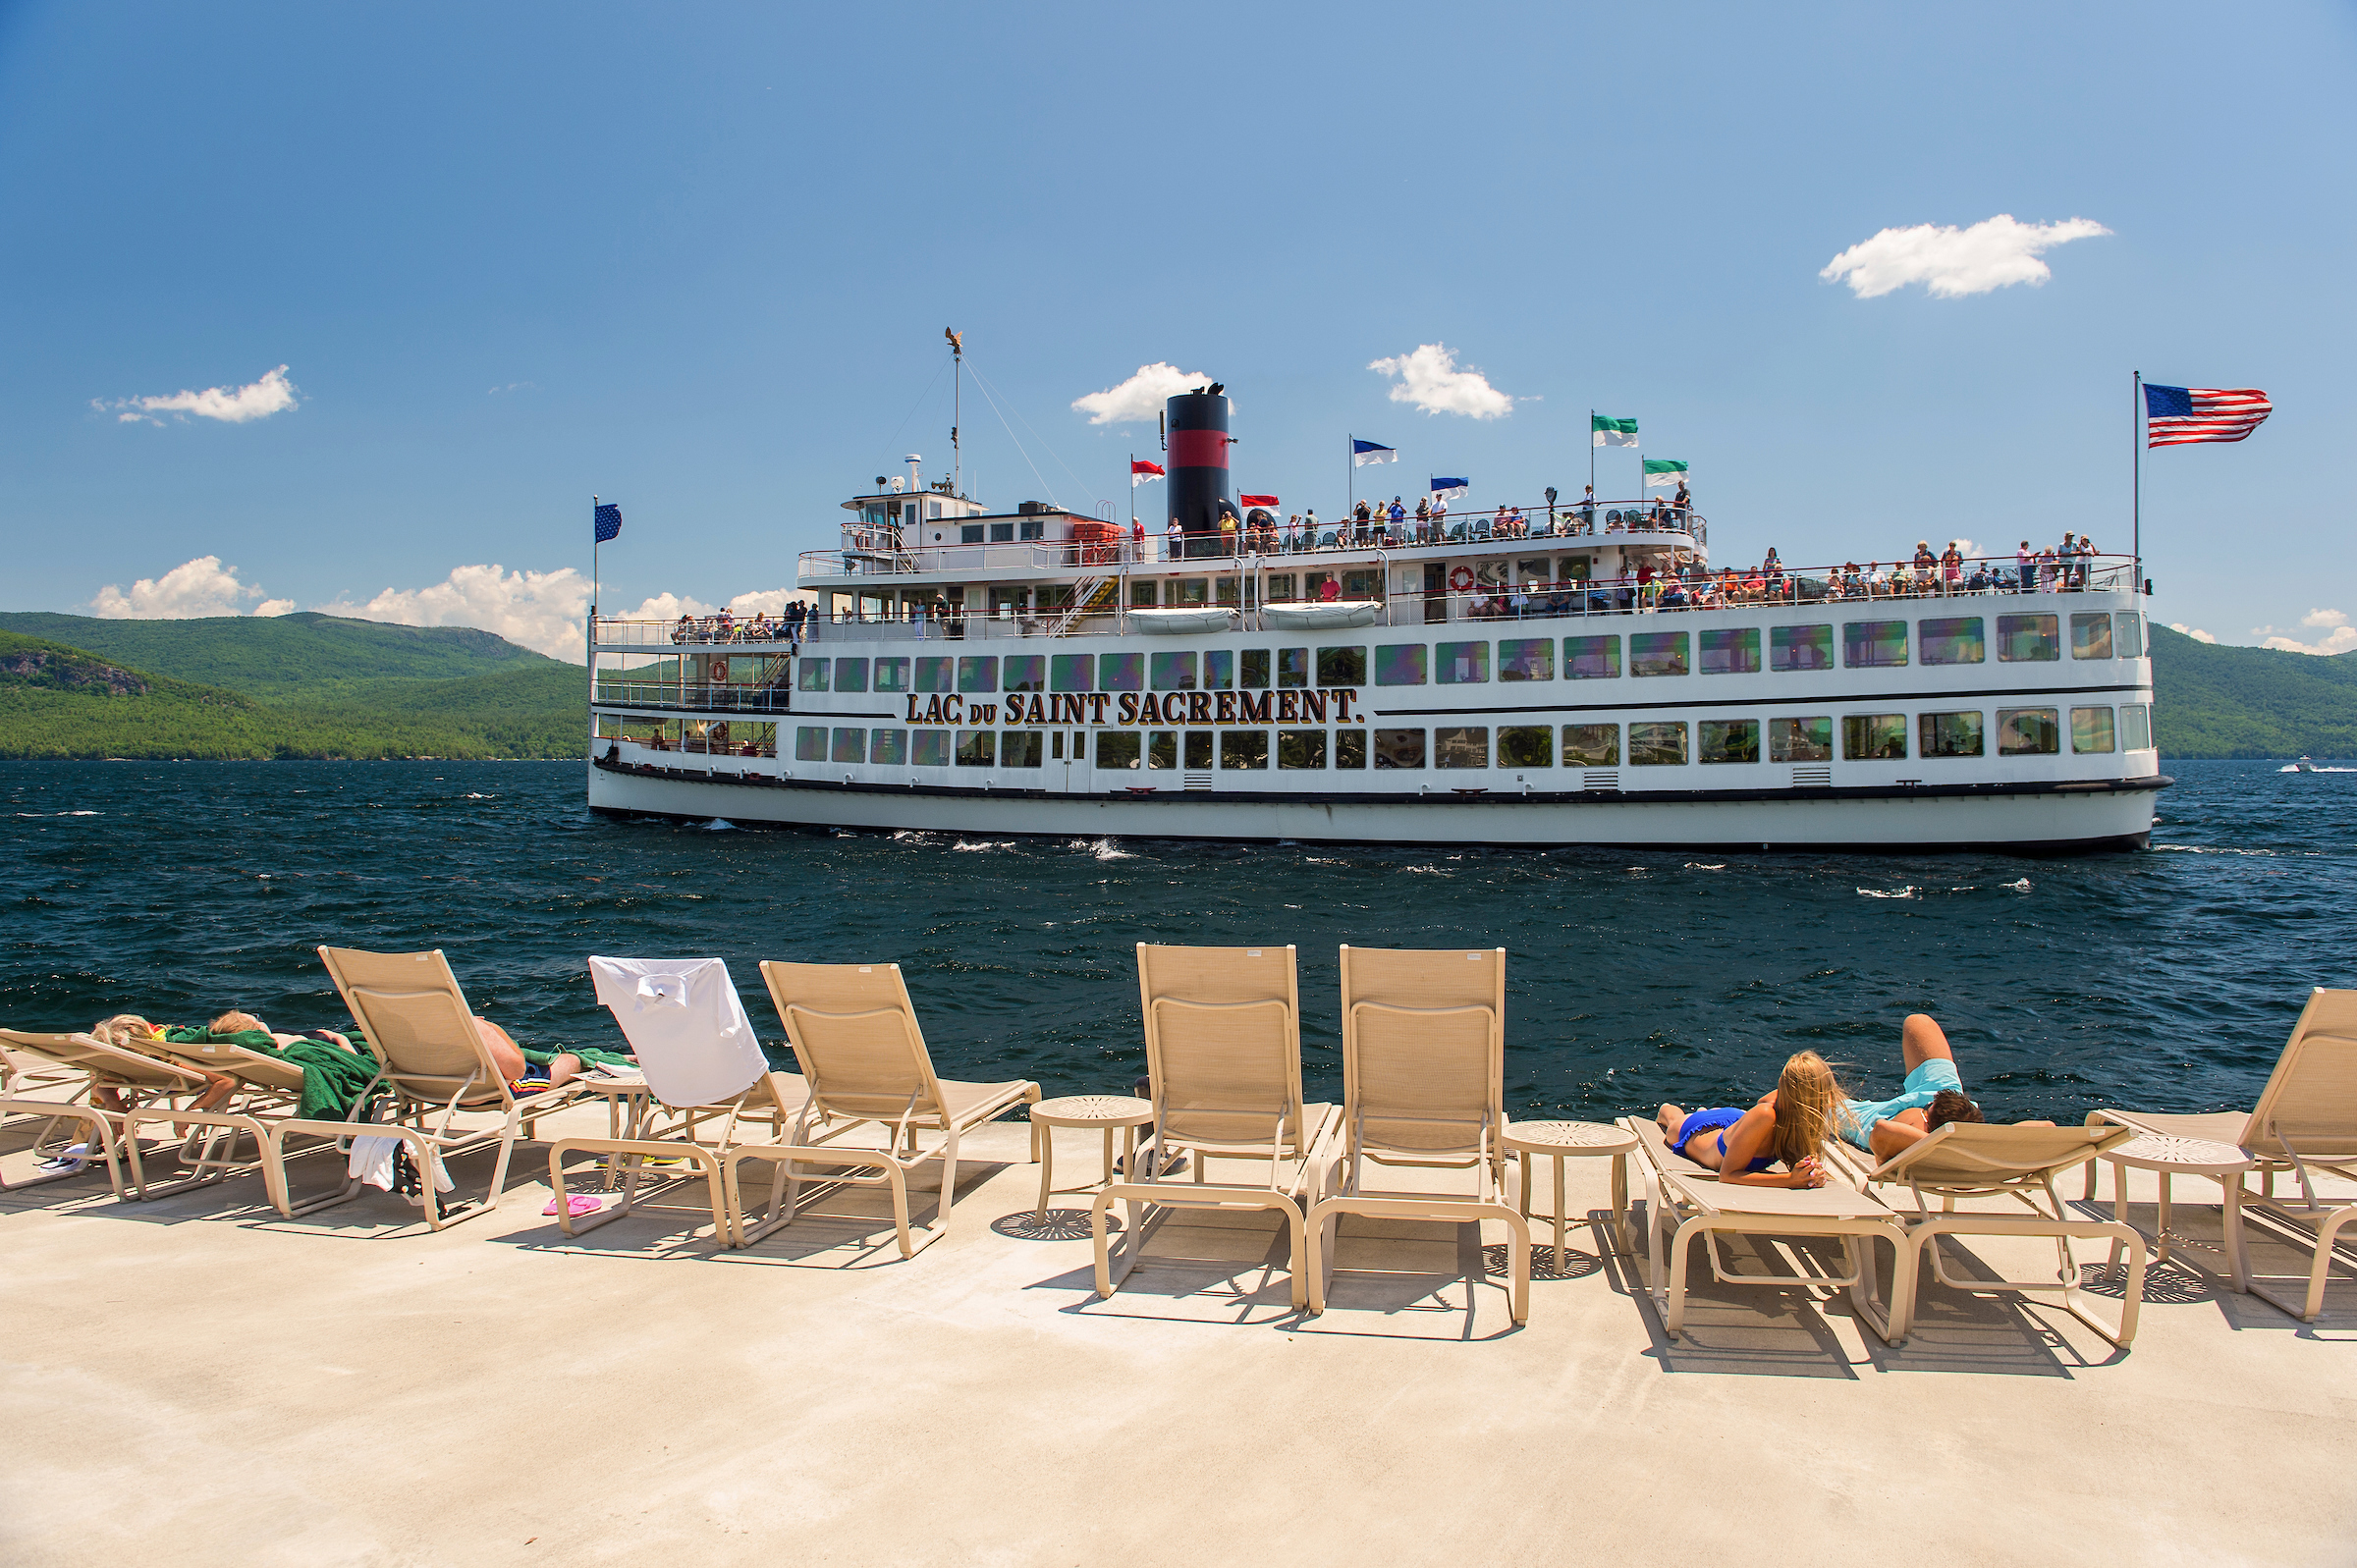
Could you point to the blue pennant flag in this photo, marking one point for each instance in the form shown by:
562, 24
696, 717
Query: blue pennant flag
609, 521
1449, 489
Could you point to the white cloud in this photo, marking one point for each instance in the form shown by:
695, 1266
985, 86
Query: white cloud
1953, 262
1429, 379
2195, 633
199, 587
2323, 618
1140, 398
539, 610
273, 394
2342, 638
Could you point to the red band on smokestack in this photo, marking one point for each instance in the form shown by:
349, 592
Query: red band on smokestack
1198, 449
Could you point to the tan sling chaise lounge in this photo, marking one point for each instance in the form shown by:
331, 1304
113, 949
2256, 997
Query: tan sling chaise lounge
1685, 1202
2305, 1124
81, 1065
436, 1072
268, 1091
1423, 1085
1222, 1028
865, 1064
1980, 1159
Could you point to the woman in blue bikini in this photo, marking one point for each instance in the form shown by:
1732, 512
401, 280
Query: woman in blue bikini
1787, 1125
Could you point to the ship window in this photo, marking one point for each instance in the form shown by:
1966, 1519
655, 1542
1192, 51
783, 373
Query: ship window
1592, 658
1293, 666
1397, 664
1349, 748
2028, 731
1122, 671
892, 675
976, 749
1464, 663
1399, 748
810, 742
2091, 730
1657, 745
1174, 672
1026, 672
1874, 736
1002, 533
1142, 592
1537, 572
1070, 671
1726, 740
1244, 748
1461, 746
1958, 641
1735, 651
2033, 639
1280, 587
1198, 750
930, 748
932, 510
2128, 634
936, 672
1226, 591
1948, 734
1301, 748
1526, 746
850, 745
888, 748
1021, 748
1807, 739
1591, 745
1034, 529
2091, 638
1313, 585
2136, 719
813, 676
971, 534
1256, 670
851, 674
1573, 568
1874, 645
977, 673
1117, 749
1361, 584
1342, 667
1657, 653
1800, 648
1190, 592
1527, 659
1219, 670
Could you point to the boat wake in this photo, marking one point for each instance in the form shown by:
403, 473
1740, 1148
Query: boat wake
1098, 849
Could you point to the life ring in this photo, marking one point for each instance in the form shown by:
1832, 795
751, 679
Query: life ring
720, 669
1462, 580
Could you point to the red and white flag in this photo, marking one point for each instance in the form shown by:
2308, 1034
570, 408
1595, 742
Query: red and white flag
1269, 502
1144, 472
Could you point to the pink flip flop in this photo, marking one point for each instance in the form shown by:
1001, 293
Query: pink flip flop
576, 1205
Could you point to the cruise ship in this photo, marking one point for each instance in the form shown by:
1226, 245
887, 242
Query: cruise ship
1567, 675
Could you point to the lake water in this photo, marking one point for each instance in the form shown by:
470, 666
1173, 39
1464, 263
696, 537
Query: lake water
2165, 980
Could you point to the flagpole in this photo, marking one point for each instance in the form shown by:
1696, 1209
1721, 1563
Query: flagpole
595, 541
2136, 488
1349, 474
1591, 454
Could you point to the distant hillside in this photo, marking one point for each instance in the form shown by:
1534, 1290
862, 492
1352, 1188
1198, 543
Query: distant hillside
304, 657
58, 701
2215, 701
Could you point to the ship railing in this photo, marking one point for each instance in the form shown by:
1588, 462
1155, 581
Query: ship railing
701, 632
703, 696
1832, 588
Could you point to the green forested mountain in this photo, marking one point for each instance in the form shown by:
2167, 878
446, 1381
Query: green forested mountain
305, 657
2215, 701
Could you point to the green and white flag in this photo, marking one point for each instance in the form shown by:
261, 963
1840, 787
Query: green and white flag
1610, 432
1661, 471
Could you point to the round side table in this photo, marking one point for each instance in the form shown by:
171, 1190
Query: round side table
1127, 1112
1557, 1140
2172, 1156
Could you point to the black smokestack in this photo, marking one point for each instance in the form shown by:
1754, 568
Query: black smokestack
1199, 485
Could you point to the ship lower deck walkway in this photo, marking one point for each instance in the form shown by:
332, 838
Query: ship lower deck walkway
496, 1393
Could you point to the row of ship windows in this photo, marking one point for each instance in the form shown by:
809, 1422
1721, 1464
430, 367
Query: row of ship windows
1864, 738
1735, 650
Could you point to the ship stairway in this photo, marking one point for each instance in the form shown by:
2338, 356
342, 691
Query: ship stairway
1085, 593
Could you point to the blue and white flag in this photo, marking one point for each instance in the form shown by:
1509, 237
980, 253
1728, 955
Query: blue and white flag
1363, 453
1449, 489
607, 521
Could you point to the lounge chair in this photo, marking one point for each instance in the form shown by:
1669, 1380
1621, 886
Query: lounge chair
1423, 1085
268, 1091
865, 1064
2305, 1122
701, 1062
1980, 1159
77, 1066
1685, 1200
1222, 1028
434, 1071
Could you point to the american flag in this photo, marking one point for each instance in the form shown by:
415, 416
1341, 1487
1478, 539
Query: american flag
2176, 416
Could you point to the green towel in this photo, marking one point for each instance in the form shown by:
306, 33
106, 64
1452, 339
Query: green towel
332, 1077
592, 1056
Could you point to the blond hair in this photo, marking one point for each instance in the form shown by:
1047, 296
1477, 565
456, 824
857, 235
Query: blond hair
124, 1029
1809, 1103
234, 1022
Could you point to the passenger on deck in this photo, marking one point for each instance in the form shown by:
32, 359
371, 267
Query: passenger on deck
2025, 570
1423, 519
1399, 515
1787, 1125
1329, 590
1137, 539
1173, 541
684, 628
1952, 566
1587, 509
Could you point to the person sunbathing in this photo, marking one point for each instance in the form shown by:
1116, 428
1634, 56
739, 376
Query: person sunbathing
1931, 1096
509, 1058
130, 1032
1788, 1124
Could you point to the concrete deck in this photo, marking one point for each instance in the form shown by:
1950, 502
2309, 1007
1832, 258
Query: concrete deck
195, 1380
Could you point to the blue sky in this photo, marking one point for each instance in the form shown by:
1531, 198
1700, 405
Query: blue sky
698, 260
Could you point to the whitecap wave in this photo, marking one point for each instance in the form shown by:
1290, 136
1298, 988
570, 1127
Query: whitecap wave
1887, 892
1101, 849
2023, 886
982, 844
2215, 849
1697, 865
1426, 871
721, 825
